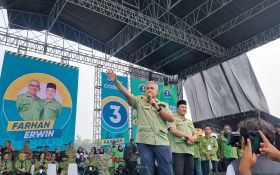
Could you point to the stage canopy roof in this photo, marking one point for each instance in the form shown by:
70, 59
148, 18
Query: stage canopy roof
169, 36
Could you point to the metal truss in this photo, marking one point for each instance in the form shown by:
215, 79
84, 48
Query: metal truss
55, 45
245, 46
55, 12
129, 33
97, 106
257, 9
118, 12
197, 15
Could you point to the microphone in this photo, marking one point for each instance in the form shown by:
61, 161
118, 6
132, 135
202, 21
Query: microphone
150, 96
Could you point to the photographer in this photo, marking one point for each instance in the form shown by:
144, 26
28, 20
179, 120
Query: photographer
226, 152
41, 165
249, 128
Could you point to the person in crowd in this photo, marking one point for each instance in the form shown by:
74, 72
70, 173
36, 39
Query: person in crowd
58, 154
277, 136
101, 151
197, 152
226, 152
80, 153
30, 158
6, 165
92, 152
110, 163
209, 148
52, 108
53, 161
65, 161
120, 164
41, 165
182, 136
47, 153
26, 149
80, 164
22, 165
90, 166
102, 165
114, 148
153, 143
9, 148
29, 105
263, 165
71, 152
130, 157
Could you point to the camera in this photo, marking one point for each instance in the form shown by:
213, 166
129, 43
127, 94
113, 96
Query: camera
234, 140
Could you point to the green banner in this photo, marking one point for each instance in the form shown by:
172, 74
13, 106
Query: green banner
166, 94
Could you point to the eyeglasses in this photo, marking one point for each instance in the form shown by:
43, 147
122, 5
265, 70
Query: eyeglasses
34, 85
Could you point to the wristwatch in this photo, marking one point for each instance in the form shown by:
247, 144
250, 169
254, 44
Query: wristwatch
159, 109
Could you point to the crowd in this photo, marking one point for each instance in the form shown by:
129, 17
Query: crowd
114, 160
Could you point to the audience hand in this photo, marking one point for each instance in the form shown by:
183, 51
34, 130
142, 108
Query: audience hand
248, 160
268, 150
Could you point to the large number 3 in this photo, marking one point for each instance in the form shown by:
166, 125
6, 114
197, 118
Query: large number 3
117, 117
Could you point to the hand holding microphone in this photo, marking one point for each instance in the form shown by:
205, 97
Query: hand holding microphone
152, 101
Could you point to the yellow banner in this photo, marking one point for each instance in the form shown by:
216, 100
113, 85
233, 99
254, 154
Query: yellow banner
30, 125
110, 141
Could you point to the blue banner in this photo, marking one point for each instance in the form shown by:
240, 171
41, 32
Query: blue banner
114, 123
39, 102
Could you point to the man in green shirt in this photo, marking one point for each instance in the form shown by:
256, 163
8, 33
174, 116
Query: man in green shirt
52, 108
226, 152
71, 152
6, 165
182, 136
28, 104
152, 131
208, 148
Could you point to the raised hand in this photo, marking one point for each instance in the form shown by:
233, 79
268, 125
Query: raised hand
248, 159
268, 150
111, 74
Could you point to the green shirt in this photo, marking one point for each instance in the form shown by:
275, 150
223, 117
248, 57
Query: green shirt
114, 150
69, 151
90, 162
197, 153
178, 144
52, 109
6, 166
209, 145
226, 151
22, 164
152, 128
29, 108
40, 166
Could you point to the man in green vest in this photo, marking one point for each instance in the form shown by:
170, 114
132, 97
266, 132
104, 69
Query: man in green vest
28, 104
52, 108
208, 148
152, 117
182, 136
